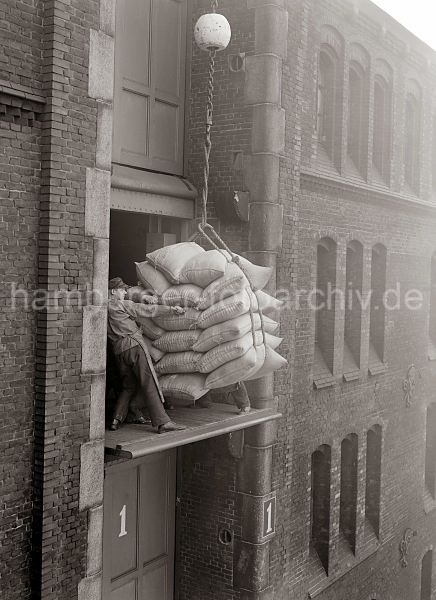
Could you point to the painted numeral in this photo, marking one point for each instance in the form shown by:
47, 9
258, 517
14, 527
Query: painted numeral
269, 521
123, 530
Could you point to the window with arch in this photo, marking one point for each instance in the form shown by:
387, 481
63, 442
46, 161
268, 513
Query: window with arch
320, 503
432, 311
353, 310
356, 119
377, 309
326, 95
324, 309
434, 154
430, 450
427, 575
412, 142
348, 500
382, 128
373, 477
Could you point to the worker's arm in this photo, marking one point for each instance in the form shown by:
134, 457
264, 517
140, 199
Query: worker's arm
139, 311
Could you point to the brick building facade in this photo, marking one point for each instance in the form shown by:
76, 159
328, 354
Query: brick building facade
302, 96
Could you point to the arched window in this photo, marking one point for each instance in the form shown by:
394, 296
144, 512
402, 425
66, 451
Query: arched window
432, 311
434, 156
373, 478
430, 450
426, 575
382, 128
327, 75
325, 308
356, 103
353, 311
411, 142
348, 504
320, 503
377, 310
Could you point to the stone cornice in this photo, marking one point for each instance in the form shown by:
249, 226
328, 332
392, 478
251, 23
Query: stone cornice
362, 192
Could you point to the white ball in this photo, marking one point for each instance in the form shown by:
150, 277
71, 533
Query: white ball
212, 32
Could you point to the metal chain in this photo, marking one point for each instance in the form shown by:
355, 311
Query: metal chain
214, 5
208, 140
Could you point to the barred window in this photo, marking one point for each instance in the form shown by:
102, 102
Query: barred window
382, 128
348, 503
411, 141
377, 307
430, 450
373, 477
353, 310
327, 74
325, 304
320, 509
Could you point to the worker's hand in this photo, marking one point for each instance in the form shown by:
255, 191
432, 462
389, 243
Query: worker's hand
178, 310
151, 299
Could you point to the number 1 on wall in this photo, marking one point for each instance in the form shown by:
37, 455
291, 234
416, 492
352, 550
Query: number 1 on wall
269, 528
123, 530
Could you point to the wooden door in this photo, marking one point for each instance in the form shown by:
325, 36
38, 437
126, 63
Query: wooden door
149, 99
139, 529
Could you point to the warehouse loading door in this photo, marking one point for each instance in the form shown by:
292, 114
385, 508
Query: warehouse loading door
139, 529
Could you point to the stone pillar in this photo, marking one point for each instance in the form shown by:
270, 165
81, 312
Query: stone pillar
263, 93
97, 213
77, 67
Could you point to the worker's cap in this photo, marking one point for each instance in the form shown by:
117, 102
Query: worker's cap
117, 283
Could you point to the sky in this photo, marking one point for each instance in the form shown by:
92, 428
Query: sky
419, 16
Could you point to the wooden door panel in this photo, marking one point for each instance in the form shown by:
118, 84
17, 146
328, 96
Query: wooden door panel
155, 584
149, 95
139, 529
156, 508
125, 592
168, 46
123, 523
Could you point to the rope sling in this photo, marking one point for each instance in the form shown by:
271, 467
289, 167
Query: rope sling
205, 229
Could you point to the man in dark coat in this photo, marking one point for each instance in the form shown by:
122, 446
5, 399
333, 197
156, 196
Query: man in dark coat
133, 358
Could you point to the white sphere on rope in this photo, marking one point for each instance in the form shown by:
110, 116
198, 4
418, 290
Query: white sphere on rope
212, 32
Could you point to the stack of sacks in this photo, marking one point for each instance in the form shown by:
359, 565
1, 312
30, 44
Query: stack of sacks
212, 344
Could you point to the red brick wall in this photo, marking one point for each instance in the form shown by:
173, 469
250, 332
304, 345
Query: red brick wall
20, 177
327, 416
205, 567
20, 31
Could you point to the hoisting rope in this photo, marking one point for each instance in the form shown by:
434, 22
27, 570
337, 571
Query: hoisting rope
219, 244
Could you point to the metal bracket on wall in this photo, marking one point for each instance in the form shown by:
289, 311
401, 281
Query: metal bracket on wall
404, 545
409, 385
235, 444
231, 209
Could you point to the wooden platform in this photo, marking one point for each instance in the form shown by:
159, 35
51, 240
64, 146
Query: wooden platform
132, 441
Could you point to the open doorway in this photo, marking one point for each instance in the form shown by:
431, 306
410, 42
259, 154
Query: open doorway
134, 234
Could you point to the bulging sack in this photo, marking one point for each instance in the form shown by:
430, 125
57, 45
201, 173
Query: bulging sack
174, 322
232, 282
224, 353
155, 353
178, 362
232, 371
231, 307
270, 325
150, 329
151, 279
183, 389
182, 295
273, 362
204, 268
272, 341
170, 260
225, 332
258, 275
267, 303
177, 341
